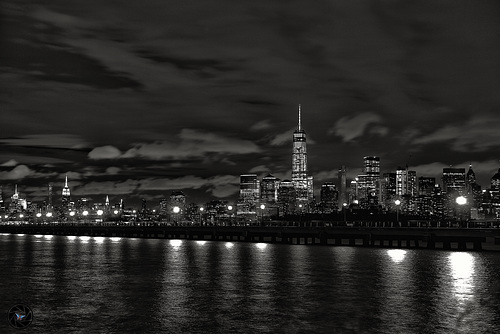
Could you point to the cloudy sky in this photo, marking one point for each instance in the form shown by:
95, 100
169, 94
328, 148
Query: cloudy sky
134, 99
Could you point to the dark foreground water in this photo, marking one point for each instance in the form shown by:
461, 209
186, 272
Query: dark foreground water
113, 285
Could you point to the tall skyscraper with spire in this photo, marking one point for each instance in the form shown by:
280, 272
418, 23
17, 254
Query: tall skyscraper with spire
66, 195
302, 183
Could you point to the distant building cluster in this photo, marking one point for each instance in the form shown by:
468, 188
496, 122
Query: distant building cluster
456, 196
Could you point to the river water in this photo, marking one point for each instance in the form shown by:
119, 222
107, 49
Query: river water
120, 285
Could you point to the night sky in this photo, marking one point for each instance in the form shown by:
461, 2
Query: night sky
135, 99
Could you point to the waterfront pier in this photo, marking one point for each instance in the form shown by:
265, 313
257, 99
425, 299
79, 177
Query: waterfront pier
392, 237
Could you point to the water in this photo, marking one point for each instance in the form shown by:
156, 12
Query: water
113, 285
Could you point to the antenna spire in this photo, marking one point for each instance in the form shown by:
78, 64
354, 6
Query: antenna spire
300, 127
66, 182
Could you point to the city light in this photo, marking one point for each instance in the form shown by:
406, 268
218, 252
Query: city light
72, 213
49, 214
100, 212
85, 213
461, 200
39, 214
115, 212
176, 209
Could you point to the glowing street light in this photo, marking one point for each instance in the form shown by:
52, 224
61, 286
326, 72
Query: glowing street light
49, 214
100, 212
461, 201
39, 214
344, 207
398, 203
72, 213
85, 213
115, 212
176, 209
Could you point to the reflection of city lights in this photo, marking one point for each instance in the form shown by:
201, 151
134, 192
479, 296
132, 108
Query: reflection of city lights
38, 235
48, 236
176, 243
201, 242
71, 237
229, 245
115, 239
84, 238
261, 245
397, 255
99, 240
462, 271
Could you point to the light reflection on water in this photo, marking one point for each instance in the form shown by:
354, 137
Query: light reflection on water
462, 271
140, 285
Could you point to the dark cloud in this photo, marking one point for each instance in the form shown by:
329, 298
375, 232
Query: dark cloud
163, 91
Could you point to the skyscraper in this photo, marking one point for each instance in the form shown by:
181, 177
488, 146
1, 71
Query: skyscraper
342, 187
65, 198
249, 194
302, 183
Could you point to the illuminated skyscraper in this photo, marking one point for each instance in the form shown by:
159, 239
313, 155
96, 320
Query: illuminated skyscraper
302, 183
342, 187
269, 189
249, 194
65, 199
49, 195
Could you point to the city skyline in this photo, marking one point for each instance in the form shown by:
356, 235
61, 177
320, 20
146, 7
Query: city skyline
127, 100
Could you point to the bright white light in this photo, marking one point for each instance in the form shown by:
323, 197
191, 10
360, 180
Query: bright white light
38, 235
462, 271
71, 237
229, 245
85, 213
7, 216
49, 214
21, 235
461, 200
201, 209
100, 212
201, 242
344, 204
115, 239
99, 240
229, 207
4, 233
72, 213
356, 201
48, 236
176, 209
397, 202
262, 206
176, 243
397, 255
261, 245
21, 215
38, 215
84, 238
115, 212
